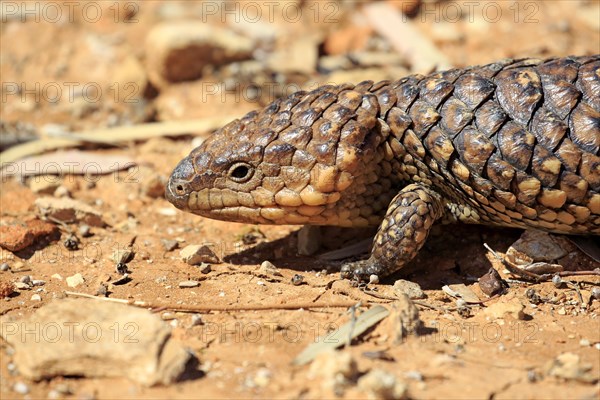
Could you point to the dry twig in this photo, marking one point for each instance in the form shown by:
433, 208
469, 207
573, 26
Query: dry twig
198, 309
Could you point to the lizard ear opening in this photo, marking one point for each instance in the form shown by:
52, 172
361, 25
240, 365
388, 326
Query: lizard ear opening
240, 172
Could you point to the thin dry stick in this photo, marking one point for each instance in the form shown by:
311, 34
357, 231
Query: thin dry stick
405, 37
184, 308
113, 136
576, 273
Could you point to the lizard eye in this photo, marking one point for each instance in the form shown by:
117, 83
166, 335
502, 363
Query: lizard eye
240, 172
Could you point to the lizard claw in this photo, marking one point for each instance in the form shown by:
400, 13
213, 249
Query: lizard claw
361, 271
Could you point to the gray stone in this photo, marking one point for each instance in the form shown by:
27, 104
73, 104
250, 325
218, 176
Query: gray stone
189, 284
68, 211
75, 280
411, 289
195, 254
268, 269
96, 339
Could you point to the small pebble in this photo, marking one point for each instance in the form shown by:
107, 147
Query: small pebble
491, 283
75, 280
380, 384
121, 268
38, 282
71, 243
260, 283
532, 296
268, 269
532, 376
195, 254
25, 279
464, 312
168, 316
102, 290
411, 289
373, 279
197, 320
167, 212
557, 281
84, 231
584, 343
12, 368
36, 297
22, 286
21, 388
414, 375
169, 245
189, 284
205, 268
122, 256
61, 191
596, 293
297, 279
262, 377
4, 267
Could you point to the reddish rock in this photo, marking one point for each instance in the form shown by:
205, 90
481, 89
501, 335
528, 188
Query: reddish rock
180, 50
68, 211
20, 236
6, 289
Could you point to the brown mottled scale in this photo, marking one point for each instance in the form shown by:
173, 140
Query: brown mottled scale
512, 143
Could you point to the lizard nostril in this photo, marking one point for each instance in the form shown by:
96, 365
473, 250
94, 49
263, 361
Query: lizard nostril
180, 188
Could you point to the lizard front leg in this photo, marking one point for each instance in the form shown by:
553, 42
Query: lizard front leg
401, 234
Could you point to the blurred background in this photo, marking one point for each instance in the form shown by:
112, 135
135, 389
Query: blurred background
123, 78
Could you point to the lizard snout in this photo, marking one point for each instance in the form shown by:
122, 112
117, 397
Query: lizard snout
178, 188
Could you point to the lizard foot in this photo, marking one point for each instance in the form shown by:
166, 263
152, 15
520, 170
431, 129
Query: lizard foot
361, 271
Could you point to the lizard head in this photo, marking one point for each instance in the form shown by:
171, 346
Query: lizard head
309, 158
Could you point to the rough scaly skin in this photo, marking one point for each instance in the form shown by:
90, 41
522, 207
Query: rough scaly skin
514, 143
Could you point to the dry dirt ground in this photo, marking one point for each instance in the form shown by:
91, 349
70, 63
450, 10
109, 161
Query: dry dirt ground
248, 354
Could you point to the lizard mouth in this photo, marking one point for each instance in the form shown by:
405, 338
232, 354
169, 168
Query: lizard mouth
216, 204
